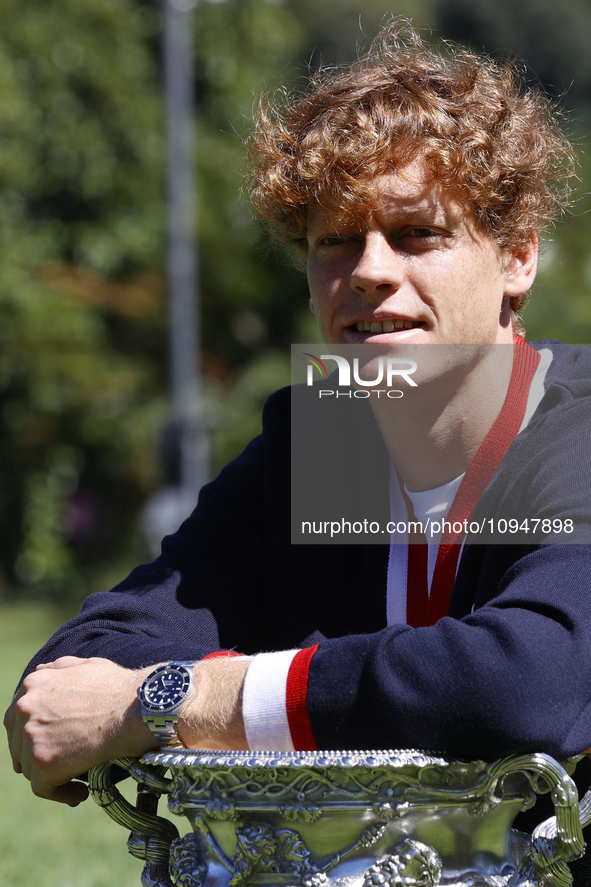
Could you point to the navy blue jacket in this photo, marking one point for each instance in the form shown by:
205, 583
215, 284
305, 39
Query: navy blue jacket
509, 670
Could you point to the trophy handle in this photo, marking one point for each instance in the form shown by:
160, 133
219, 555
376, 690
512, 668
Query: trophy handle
559, 839
585, 809
151, 835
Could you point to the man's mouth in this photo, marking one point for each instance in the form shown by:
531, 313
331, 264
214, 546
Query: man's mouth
386, 326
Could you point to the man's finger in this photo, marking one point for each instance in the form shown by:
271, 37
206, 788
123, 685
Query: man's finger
72, 793
14, 735
9, 721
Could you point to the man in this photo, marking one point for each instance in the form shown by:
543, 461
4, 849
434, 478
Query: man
415, 184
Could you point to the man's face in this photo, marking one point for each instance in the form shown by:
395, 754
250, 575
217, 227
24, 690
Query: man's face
418, 271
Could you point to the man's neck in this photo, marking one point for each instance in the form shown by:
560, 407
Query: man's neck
435, 430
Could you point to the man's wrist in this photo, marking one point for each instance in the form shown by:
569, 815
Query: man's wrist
161, 696
211, 715
140, 736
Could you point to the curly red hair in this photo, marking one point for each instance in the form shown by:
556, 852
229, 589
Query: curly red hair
479, 129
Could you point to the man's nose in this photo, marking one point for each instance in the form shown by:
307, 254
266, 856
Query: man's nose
379, 268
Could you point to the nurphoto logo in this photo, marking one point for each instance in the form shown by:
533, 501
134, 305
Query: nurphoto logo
385, 371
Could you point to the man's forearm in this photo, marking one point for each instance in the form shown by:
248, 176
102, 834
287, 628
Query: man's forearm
212, 715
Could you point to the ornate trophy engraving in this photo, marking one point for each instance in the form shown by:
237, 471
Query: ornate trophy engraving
346, 819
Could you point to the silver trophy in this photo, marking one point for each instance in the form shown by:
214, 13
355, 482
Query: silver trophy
346, 819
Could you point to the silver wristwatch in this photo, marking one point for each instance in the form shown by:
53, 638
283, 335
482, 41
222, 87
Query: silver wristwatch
161, 696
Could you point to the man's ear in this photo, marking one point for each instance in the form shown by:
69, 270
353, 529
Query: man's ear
521, 267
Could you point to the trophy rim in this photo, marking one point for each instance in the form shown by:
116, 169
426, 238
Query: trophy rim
393, 758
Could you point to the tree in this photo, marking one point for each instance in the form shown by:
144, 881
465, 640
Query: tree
81, 318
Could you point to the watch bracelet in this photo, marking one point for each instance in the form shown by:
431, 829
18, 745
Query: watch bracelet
163, 727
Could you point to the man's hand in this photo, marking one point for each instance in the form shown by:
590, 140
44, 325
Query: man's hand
73, 714
69, 716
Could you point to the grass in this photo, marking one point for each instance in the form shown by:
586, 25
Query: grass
42, 843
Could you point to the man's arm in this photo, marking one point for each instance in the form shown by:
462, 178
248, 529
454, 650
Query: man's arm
73, 714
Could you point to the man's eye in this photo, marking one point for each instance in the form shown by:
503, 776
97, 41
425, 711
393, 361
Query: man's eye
422, 232
333, 240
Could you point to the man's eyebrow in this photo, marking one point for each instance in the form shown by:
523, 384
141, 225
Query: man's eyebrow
428, 211
328, 225
399, 209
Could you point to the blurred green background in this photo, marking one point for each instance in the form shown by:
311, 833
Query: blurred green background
43, 844
83, 364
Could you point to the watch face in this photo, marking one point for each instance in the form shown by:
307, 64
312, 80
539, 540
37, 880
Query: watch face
166, 689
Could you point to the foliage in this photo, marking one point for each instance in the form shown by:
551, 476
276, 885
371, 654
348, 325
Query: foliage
80, 318
551, 38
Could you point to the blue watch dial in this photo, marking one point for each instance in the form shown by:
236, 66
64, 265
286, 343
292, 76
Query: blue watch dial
166, 689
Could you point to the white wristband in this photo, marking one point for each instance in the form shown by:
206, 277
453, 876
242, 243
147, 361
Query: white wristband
263, 702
